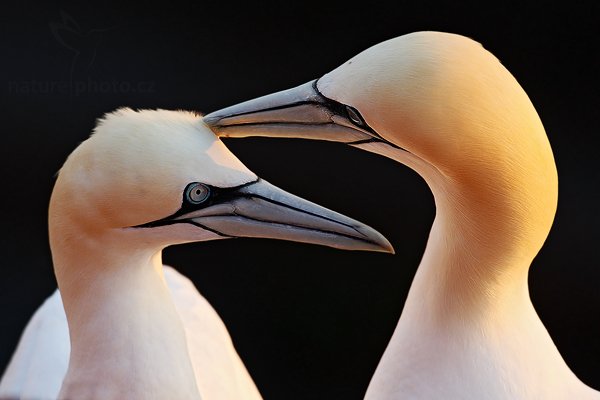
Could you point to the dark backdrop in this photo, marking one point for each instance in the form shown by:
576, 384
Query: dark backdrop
309, 322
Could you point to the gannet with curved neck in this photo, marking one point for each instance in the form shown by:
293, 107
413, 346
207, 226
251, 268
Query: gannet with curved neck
447, 108
143, 181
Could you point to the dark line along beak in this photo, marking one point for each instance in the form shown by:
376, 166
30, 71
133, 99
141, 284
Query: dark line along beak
259, 209
301, 112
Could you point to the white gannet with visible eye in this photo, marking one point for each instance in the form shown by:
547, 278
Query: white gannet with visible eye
447, 108
143, 181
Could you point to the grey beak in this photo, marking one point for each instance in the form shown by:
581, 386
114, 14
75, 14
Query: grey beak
301, 112
259, 209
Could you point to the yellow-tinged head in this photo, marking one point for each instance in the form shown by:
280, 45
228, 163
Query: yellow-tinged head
446, 107
155, 178
133, 168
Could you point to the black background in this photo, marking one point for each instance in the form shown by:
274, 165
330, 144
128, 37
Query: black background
309, 322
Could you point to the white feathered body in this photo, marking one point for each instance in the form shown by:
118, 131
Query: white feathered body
39, 364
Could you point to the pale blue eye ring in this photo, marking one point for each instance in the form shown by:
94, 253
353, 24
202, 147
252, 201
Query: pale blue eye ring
354, 116
197, 193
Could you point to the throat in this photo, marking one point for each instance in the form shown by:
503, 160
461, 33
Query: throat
465, 274
468, 318
127, 340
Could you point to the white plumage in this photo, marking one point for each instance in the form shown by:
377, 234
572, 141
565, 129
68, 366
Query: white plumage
447, 108
40, 362
124, 326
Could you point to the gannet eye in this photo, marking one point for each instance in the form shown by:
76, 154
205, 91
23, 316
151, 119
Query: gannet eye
197, 193
354, 116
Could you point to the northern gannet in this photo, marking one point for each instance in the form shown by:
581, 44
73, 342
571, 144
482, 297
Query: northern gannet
143, 181
447, 108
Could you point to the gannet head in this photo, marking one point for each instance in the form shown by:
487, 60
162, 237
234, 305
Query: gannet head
441, 104
162, 177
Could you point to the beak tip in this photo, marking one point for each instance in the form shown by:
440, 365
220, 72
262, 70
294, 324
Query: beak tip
381, 243
386, 247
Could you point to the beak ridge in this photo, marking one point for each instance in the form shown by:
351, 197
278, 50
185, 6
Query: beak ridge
300, 112
264, 210
285, 99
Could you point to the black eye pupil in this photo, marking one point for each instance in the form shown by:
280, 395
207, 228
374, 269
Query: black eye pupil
197, 193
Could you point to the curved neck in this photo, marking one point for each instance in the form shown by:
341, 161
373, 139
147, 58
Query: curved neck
468, 316
127, 340
461, 281
486, 232
472, 261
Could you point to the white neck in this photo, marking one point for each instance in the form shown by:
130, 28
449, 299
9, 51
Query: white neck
127, 340
468, 329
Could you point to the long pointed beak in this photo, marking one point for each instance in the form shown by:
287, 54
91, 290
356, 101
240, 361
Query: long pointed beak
259, 209
301, 112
